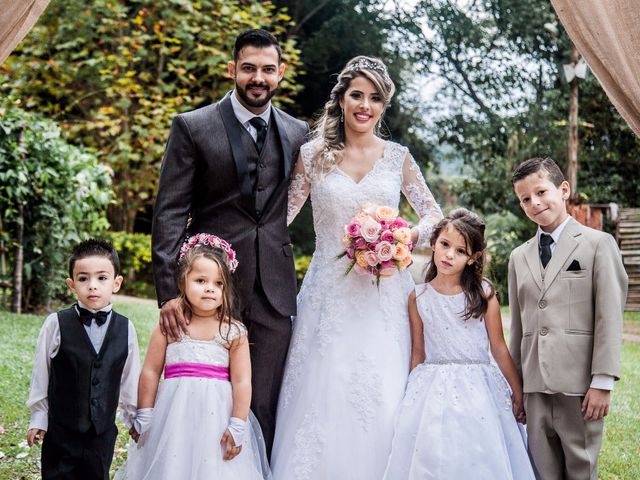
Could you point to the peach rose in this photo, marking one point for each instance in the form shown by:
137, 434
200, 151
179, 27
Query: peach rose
402, 235
401, 251
385, 251
370, 230
361, 259
404, 262
386, 213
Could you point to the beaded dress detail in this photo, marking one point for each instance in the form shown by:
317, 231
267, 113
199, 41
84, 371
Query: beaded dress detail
455, 420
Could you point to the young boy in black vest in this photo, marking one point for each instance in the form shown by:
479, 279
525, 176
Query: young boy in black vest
86, 364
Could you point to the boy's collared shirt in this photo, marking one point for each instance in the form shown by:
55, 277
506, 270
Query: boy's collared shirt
47, 348
603, 382
244, 116
555, 235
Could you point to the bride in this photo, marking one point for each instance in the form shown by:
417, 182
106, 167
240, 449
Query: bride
349, 356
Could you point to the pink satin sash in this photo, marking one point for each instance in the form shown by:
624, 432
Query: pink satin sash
201, 370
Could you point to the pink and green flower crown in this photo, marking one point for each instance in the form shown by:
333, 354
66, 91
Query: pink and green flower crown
212, 241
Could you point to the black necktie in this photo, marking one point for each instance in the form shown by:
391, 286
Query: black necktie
545, 248
261, 127
86, 316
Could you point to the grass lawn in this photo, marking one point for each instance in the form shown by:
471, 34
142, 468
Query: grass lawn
619, 459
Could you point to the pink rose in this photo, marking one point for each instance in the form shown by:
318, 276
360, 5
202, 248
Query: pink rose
386, 236
385, 251
388, 268
372, 258
346, 241
359, 243
370, 230
399, 223
372, 245
351, 253
353, 229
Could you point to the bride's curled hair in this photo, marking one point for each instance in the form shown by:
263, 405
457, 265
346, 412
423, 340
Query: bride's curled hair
329, 129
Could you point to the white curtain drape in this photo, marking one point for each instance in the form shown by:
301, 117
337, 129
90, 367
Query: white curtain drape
607, 34
17, 17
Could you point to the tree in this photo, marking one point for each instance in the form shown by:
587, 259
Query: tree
114, 74
52, 195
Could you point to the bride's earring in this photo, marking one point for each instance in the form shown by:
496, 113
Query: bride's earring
342, 115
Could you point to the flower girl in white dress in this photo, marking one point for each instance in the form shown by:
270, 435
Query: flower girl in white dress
194, 424
458, 416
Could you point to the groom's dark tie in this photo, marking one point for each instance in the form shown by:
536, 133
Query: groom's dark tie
261, 127
545, 248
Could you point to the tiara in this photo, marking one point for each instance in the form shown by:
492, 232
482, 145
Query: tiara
365, 63
212, 241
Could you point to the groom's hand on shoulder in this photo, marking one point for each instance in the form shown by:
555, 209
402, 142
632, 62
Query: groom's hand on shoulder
173, 319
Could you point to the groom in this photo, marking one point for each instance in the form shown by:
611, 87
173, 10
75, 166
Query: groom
225, 171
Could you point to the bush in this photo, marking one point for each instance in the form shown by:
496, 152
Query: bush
302, 263
504, 232
134, 250
59, 191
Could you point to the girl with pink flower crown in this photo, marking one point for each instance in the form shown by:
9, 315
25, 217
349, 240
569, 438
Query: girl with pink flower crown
196, 423
458, 416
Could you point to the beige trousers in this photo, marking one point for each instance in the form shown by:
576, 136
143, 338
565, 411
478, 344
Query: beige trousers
562, 444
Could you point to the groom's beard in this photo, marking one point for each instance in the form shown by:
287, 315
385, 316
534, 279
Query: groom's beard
253, 101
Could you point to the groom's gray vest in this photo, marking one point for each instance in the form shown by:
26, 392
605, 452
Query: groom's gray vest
212, 172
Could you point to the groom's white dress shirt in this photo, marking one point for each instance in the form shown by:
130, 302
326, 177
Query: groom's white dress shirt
243, 115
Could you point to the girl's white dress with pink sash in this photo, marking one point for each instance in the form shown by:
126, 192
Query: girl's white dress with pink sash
192, 411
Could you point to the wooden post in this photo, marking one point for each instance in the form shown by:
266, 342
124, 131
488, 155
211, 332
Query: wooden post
572, 149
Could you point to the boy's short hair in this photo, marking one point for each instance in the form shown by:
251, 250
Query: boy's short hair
94, 247
258, 38
535, 165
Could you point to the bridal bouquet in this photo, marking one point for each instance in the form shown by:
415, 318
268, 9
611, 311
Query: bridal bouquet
378, 242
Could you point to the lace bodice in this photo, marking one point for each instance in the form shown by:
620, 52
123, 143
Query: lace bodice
210, 352
447, 336
336, 197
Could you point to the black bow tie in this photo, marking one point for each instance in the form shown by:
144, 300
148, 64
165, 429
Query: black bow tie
86, 316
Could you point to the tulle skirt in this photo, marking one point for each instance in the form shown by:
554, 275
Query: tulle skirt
456, 422
183, 441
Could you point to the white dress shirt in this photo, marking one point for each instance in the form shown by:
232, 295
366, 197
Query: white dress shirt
47, 348
243, 115
601, 381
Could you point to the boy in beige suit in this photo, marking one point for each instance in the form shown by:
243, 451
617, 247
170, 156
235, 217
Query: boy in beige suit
567, 290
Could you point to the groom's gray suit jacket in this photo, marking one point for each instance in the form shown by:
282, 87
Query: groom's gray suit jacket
213, 175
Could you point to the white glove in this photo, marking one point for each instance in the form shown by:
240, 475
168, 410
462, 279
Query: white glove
142, 421
237, 428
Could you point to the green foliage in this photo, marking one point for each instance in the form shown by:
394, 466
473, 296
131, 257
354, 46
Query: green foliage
116, 73
504, 232
302, 263
64, 192
134, 250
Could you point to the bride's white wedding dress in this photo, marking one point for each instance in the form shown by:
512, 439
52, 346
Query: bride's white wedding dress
349, 356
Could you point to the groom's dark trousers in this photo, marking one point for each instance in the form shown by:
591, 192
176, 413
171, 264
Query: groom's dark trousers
214, 180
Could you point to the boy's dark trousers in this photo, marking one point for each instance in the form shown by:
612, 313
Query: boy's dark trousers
71, 455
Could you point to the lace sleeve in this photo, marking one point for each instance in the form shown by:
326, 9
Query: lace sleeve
299, 189
415, 189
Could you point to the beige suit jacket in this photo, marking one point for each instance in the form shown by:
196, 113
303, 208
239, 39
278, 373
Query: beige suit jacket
566, 325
